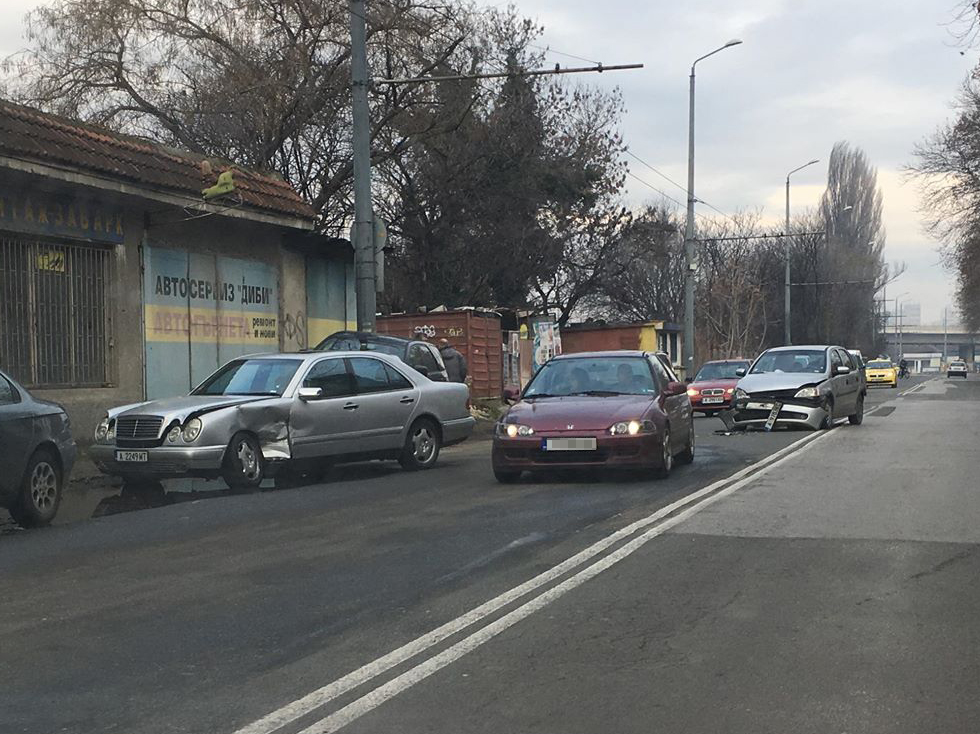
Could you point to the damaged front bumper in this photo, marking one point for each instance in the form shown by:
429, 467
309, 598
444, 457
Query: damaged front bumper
755, 413
158, 461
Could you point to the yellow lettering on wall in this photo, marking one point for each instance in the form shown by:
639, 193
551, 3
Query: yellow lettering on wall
59, 217
83, 217
42, 215
97, 221
119, 228
28, 211
72, 221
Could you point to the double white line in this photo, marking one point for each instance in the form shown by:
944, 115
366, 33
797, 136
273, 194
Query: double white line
548, 590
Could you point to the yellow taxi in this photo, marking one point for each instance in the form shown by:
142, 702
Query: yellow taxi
881, 372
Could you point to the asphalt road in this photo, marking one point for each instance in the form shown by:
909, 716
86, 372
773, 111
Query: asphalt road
209, 614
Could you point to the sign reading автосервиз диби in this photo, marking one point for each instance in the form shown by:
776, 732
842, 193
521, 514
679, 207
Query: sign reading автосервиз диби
52, 214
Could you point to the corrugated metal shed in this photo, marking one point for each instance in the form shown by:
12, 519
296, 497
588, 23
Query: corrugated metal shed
476, 334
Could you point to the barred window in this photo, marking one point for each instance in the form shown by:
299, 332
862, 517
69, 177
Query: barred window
54, 313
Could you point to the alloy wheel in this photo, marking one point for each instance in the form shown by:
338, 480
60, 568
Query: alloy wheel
424, 444
44, 486
248, 460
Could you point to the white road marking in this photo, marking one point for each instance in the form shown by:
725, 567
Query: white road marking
423, 670
315, 699
911, 390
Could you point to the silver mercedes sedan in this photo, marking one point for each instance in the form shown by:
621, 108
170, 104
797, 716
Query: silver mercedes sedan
259, 414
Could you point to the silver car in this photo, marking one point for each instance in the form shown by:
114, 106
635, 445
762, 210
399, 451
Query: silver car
258, 414
804, 386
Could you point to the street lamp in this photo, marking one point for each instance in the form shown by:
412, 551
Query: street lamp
787, 334
688, 356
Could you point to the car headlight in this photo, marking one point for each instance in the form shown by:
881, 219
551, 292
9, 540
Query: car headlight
513, 430
692, 393
102, 430
631, 428
740, 394
192, 429
808, 392
730, 390
173, 435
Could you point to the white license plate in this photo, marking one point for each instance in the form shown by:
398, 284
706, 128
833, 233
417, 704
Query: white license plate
710, 401
759, 406
569, 444
131, 456
773, 414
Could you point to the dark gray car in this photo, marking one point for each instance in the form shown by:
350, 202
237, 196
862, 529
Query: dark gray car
419, 355
807, 386
36, 454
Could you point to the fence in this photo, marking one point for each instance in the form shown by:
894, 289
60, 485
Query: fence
55, 324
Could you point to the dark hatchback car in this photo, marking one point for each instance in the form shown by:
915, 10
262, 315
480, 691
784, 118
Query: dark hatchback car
616, 410
36, 454
419, 355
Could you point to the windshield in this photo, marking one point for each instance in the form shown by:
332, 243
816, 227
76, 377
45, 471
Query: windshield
598, 376
250, 377
792, 360
351, 343
880, 365
720, 371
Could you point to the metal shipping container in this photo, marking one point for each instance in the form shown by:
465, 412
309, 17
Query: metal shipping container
477, 334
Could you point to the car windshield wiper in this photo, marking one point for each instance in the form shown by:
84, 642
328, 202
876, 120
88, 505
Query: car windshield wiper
602, 393
543, 395
251, 394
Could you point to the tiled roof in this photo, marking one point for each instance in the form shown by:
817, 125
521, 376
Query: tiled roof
29, 134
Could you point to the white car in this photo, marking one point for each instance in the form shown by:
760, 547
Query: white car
957, 369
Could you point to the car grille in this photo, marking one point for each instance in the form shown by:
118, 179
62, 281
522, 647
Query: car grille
713, 392
138, 431
771, 395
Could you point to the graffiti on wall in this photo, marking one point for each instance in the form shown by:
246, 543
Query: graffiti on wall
294, 330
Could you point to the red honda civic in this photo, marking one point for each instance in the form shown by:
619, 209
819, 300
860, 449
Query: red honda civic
714, 385
599, 409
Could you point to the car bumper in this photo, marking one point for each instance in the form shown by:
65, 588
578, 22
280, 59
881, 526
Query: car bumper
457, 431
162, 461
791, 414
699, 404
624, 452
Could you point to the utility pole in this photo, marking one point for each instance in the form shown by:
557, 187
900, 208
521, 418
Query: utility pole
945, 335
690, 264
787, 326
364, 255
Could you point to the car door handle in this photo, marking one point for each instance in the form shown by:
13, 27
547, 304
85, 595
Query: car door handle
351, 406
406, 400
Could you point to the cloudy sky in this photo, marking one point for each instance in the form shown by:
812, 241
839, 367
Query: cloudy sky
878, 73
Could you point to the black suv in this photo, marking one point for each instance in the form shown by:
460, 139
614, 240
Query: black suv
419, 355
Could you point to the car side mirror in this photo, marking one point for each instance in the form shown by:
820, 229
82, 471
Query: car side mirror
842, 370
676, 388
423, 370
309, 393
511, 396
740, 372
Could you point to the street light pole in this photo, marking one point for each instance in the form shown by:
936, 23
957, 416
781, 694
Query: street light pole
787, 331
688, 356
364, 255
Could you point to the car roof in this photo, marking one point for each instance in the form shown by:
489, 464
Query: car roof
369, 336
312, 354
726, 361
795, 347
606, 353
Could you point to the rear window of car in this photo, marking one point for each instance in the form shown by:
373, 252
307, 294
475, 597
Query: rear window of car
351, 343
880, 365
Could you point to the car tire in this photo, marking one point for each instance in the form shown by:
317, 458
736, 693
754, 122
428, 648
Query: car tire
506, 477
40, 490
666, 457
857, 417
244, 465
422, 445
687, 455
828, 422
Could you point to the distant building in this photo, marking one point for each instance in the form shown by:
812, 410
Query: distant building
911, 314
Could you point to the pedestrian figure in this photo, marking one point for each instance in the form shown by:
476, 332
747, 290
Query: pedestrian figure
454, 360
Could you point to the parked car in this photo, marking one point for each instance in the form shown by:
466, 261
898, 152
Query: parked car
598, 409
881, 372
856, 353
37, 453
419, 355
957, 368
712, 389
259, 414
804, 386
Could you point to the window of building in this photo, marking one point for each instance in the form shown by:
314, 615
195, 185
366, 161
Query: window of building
54, 308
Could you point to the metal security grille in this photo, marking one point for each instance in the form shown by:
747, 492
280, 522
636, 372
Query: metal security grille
54, 313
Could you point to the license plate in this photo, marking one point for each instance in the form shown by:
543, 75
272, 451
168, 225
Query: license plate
130, 456
711, 401
759, 406
773, 414
568, 444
